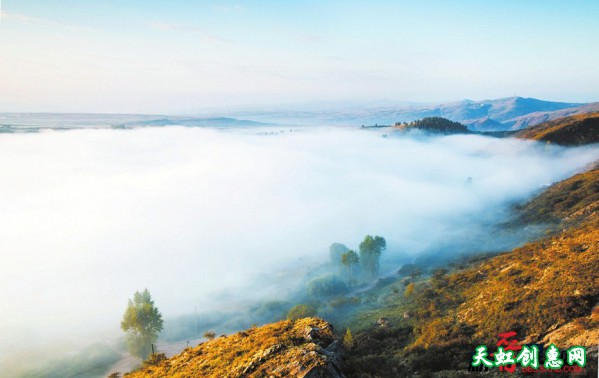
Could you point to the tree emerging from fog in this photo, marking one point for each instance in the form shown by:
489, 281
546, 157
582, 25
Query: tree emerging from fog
349, 259
142, 323
371, 249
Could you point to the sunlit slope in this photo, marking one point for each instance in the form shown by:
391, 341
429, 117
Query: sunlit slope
569, 131
533, 290
572, 200
547, 291
304, 348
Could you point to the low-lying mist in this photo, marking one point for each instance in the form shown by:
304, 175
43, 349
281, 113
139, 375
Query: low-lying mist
209, 219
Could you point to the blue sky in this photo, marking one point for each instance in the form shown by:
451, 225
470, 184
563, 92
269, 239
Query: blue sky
183, 56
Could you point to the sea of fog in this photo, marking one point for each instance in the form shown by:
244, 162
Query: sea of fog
208, 218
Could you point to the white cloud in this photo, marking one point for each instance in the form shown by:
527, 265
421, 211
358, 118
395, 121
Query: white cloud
91, 216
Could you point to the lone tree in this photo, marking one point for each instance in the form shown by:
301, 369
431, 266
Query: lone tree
371, 249
348, 259
142, 323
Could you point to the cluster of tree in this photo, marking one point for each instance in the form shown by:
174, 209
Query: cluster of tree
370, 250
435, 125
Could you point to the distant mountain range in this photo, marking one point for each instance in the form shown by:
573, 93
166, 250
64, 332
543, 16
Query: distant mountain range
504, 114
511, 113
33, 122
574, 130
501, 114
197, 122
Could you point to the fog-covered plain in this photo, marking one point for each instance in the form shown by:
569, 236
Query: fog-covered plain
206, 218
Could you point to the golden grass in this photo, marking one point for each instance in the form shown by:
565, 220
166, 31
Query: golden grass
574, 130
534, 290
280, 349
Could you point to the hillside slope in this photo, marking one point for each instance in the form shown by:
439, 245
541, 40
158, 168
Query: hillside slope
536, 118
535, 290
546, 291
572, 200
570, 131
306, 348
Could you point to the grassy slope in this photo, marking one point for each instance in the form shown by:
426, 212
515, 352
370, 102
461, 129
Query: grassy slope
280, 349
544, 290
532, 290
571, 200
570, 131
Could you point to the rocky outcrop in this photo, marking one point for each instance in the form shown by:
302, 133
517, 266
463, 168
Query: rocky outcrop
305, 348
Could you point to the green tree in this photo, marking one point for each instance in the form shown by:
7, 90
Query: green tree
371, 249
142, 323
348, 259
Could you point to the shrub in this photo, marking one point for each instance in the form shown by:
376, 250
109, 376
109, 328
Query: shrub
327, 285
348, 340
155, 359
210, 335
301, 311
